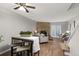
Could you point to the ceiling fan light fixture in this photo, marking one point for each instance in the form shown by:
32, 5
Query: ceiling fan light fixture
23, 7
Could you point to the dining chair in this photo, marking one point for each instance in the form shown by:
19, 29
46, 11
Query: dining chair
20, 46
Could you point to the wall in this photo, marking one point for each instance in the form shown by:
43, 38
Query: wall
74, 40
43, 26
74, 44
11, 24
64, 27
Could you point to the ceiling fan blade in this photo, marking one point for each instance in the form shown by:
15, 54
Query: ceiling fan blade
30, 7
17, 7
26, 9
24, 6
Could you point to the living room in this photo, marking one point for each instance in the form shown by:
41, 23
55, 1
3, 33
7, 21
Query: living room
44, 26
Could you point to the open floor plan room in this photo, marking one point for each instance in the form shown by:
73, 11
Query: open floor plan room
39, 29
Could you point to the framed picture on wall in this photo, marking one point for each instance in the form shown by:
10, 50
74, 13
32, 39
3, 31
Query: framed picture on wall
74, 23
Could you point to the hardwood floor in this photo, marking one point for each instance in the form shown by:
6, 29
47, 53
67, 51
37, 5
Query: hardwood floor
52, 48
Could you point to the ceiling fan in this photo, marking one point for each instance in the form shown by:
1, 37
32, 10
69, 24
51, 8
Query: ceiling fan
24, 6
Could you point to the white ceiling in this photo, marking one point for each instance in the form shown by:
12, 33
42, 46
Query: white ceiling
46, 12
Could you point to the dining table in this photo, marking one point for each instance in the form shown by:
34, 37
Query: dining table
36, 44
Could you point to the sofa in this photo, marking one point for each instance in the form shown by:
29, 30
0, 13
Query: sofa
43, 38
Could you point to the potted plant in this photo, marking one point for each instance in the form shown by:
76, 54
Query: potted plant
26, 33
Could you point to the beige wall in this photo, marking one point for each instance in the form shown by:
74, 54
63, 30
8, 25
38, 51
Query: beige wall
43, 26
